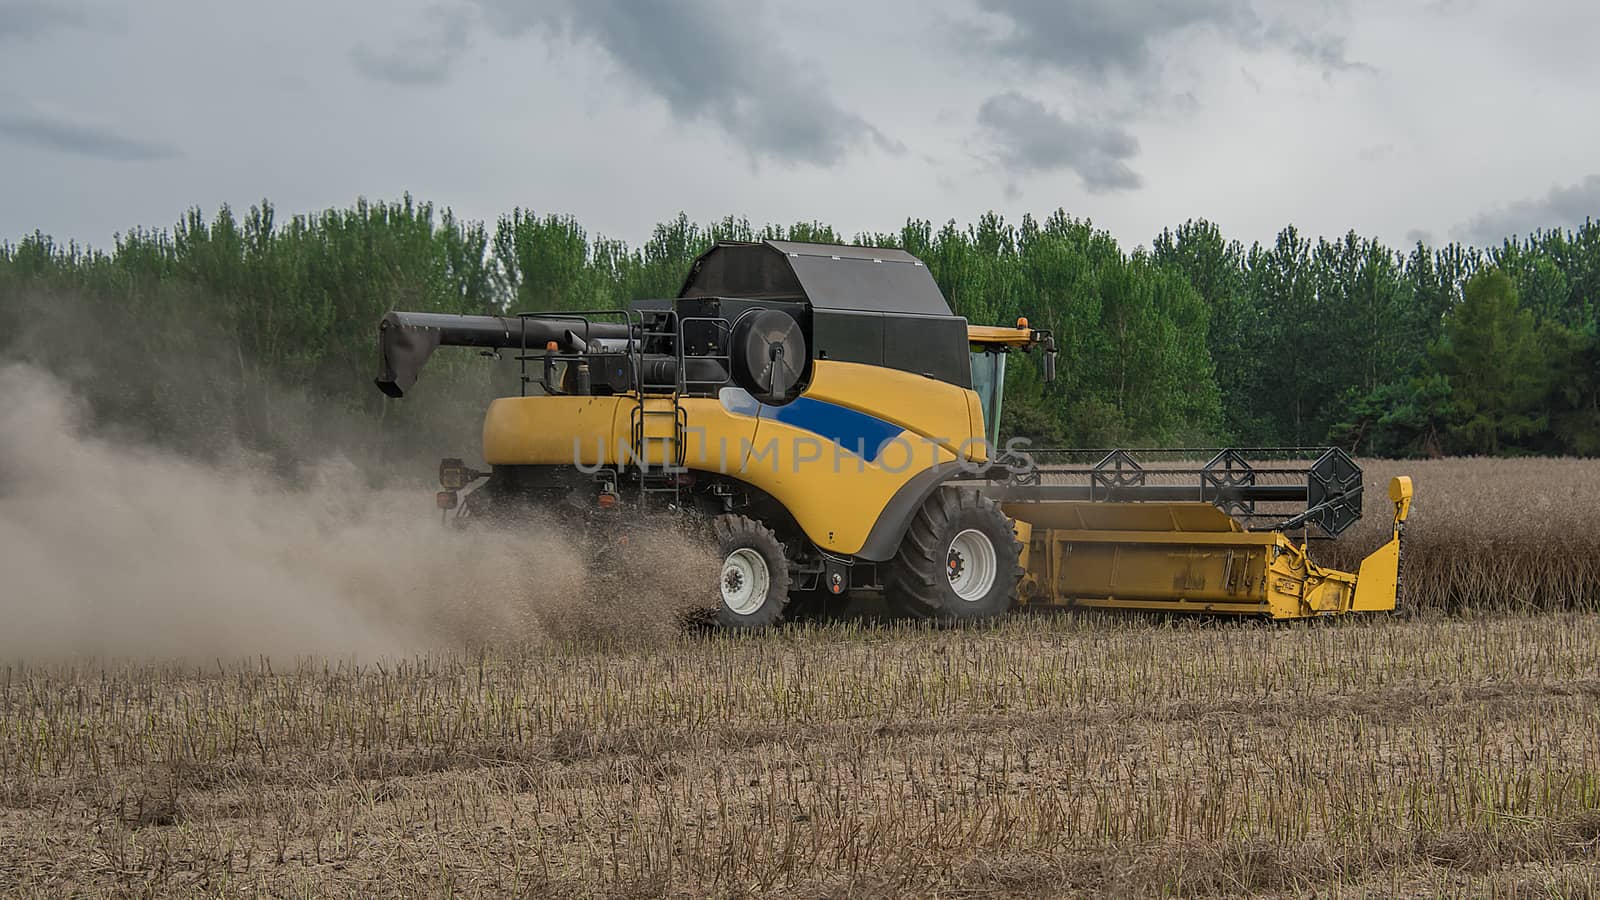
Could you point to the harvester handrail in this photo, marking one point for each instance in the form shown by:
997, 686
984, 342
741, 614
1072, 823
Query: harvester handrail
630, 319
725, 356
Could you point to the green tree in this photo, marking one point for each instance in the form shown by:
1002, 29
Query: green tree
1493, 356
1283, 285
1235, 332
1299, 341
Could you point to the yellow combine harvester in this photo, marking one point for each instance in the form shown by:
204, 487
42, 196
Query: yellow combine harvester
837, 427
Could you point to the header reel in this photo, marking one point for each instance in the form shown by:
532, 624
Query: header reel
1262, 487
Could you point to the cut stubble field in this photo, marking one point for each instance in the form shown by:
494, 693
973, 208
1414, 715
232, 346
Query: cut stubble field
1451, 750
1052, 755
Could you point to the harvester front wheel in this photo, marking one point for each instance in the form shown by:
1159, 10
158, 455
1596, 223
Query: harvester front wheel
958, 562
754, 581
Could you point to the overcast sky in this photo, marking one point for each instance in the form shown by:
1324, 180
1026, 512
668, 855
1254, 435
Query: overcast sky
1445, 119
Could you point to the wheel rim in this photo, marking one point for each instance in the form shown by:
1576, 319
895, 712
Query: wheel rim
971, 565
745, 581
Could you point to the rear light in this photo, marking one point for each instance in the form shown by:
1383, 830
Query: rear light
446, 499
608, 501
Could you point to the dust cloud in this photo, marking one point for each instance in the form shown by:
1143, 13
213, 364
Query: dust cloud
110, 547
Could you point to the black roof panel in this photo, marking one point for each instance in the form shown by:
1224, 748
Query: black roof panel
829, 276
842, 251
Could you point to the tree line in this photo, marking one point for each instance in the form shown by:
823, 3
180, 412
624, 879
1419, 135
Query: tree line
238, 325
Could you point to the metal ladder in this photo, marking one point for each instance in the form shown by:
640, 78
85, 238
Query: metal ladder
658, 417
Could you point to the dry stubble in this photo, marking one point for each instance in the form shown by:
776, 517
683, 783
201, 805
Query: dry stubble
1052, 755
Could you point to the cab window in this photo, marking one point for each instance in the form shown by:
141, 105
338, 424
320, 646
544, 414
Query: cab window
989, 381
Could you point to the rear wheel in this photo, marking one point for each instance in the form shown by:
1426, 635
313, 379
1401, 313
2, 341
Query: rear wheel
753, 583
958, 562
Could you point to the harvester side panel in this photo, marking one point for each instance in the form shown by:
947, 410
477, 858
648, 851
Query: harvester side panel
1226, 574
558, 431
1378, 581
553, 431
835, 495
716, 439
847, 455
836, 458
1109, 569
1144, 555
921, 405
1191, 557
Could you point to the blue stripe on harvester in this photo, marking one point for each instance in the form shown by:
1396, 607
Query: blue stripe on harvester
854, 431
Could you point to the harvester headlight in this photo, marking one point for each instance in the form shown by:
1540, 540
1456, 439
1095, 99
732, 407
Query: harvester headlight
452, 477
455, 475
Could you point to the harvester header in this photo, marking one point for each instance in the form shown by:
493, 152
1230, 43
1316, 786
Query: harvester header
835, 428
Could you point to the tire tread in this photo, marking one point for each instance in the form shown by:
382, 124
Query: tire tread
733, 531
916, 575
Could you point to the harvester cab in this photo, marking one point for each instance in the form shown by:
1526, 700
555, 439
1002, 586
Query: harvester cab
834, 428
991, 346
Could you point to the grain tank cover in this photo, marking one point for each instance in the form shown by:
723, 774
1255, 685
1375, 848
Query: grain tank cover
871, 305
828, 276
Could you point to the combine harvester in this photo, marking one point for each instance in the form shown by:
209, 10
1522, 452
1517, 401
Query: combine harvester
836, 426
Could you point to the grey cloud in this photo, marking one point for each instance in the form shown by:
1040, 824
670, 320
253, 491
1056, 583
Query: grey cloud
425, 56
1562, 207
710, 61
1325, 51
84, 139
1030, 137
1095, 36
28, 19
1376, 152
1419, 236
1099, 37
394, 67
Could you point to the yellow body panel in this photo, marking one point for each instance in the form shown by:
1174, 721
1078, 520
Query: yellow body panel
553, 431
836, 498
715, 439
1378, 582
924, 406
1190, 557
1378, 579
835, 495
591, 431
976, 451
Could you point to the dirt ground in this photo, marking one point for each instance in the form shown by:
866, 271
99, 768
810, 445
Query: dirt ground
1049, 756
